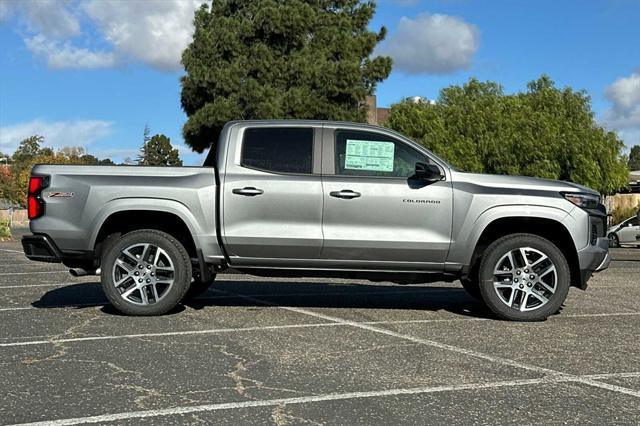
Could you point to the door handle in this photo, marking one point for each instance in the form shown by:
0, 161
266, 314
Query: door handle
346, 194
249, 191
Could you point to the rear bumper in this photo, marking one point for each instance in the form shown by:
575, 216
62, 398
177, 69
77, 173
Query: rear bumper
41, 249
593, 258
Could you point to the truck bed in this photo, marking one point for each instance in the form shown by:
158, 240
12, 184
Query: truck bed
78, 199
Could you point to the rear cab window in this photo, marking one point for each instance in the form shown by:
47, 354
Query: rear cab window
286, 150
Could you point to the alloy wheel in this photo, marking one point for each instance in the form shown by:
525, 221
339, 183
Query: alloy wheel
525, 279
143, 274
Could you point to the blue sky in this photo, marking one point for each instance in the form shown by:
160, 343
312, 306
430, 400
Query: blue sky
94, 72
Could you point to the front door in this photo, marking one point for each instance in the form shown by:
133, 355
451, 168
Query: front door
630, 231
375, 215
272, 197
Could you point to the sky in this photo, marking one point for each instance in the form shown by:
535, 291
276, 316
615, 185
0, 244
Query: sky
93, 73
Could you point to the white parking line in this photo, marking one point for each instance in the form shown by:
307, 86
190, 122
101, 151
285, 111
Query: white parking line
12, 251
44, 285
58, 271
229, 330
303, 400
451, 348
31, 263
629, 375
168, 333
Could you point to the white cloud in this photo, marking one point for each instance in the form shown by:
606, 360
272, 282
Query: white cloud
624, 114
65, 55
432, 44
5, 10
52, 18
624, 93
154, 32
56, 133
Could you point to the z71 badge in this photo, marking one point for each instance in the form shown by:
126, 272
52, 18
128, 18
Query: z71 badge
60, 194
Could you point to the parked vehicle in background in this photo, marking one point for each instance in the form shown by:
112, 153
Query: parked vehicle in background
625, 233
314, 198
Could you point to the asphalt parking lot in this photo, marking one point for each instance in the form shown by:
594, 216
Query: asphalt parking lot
314, 351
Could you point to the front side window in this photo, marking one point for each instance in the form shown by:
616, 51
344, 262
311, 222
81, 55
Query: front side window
372, 154
278, 149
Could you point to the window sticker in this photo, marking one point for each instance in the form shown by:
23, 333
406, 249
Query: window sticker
369, 155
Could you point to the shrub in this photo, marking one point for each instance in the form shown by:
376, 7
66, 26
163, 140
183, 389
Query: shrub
623, 213
5, 232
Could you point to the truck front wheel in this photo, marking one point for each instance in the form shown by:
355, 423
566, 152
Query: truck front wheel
145, 272
524, 277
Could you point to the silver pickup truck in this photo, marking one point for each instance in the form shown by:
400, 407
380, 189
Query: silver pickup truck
316, 198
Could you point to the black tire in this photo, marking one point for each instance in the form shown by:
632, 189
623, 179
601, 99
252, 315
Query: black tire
614, 241
181, 272
504, 245
472, 287
198, 287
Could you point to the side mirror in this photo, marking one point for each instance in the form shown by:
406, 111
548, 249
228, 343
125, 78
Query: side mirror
428, 172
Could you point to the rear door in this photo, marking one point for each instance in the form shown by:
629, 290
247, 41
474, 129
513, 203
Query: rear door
272, 196
375, 214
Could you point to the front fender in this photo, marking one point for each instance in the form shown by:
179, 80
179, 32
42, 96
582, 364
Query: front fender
466, 237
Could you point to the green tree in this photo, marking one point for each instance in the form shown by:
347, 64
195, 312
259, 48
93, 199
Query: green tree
278, 59
545, 131
159, 152
634, 158
106, 162
14, 180
28, 148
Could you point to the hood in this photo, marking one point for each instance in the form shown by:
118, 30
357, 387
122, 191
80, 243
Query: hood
520, 182
613, 228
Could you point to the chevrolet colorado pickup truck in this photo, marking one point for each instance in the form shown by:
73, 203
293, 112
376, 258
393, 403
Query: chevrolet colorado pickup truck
317, 198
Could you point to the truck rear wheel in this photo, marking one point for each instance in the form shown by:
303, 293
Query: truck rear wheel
145, 272
524, 277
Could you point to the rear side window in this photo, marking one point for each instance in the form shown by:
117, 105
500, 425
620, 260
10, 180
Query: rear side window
278, 149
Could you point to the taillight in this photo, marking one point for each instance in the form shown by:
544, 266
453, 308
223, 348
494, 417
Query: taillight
35, 203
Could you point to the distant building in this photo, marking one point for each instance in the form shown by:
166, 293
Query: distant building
379, 116
634, 181
375, 115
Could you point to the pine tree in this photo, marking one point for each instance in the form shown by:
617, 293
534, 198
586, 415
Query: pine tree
157, 151
267, 59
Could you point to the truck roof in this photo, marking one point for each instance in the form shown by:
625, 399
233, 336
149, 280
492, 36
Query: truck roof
305, 122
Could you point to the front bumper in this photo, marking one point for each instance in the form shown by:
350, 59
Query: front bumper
593, 258
41, 248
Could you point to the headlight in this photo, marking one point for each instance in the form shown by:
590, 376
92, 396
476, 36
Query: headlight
585, 201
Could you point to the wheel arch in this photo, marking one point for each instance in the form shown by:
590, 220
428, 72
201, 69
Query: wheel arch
170, 217
551, 229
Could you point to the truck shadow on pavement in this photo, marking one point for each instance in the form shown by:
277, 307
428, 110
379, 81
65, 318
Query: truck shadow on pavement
451, 299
